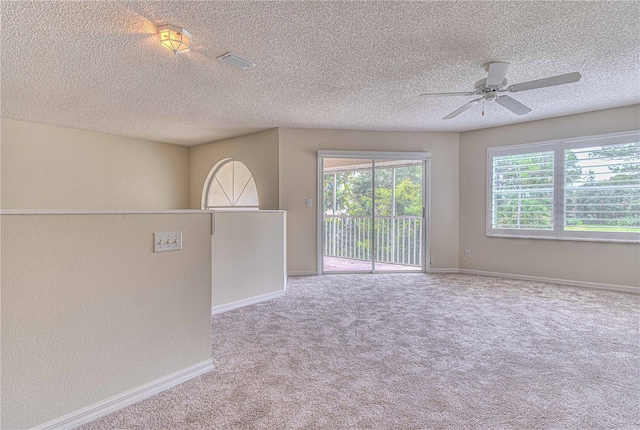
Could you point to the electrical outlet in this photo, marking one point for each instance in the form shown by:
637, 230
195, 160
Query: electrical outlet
309, 203
167, 241
467, 253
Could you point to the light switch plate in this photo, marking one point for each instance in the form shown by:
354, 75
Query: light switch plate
167, 241
309, 202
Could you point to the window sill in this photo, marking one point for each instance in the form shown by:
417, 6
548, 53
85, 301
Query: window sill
571, 239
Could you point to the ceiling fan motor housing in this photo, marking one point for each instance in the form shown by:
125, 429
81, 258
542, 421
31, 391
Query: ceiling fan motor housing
481, 87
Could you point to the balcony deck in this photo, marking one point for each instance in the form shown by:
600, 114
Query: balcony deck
337, 264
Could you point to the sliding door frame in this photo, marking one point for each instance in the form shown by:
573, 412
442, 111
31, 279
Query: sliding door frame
376, 155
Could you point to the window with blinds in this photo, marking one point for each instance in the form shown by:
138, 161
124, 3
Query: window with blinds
522, 189
587, 188
602, 188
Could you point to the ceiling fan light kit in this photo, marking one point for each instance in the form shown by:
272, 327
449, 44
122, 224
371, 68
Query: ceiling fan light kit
489, 89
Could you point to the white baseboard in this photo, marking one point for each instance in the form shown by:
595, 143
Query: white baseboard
122, 400
246, 302
610, 287
302, 273
445, 270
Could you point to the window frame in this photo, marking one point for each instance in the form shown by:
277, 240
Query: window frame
559, 147
209, 181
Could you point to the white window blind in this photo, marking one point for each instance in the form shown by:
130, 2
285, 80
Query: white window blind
602, 188
522, 189
587, 188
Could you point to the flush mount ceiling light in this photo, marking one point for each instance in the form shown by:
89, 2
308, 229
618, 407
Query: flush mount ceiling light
234, 60
175, 38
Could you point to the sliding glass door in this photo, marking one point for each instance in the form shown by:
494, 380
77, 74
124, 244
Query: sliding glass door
347, 222
373, 213
398, 215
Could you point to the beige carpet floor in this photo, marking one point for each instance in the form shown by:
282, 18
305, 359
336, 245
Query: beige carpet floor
413, 351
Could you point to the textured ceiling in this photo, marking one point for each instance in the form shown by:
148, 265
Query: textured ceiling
355, 65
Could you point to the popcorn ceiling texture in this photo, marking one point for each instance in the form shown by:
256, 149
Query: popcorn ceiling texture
353, 65
412, 352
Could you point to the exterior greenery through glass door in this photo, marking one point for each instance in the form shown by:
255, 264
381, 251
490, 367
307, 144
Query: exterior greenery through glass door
347, 223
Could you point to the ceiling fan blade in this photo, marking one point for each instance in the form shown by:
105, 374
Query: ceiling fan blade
447, 94
463, 108
513, 105
497, 72
546, 82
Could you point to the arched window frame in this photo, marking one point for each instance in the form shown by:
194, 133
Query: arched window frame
210, 180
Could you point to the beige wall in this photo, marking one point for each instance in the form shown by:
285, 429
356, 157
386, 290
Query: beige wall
89, 311
247, 255
258, 151
298, 181
608, 263
48, 167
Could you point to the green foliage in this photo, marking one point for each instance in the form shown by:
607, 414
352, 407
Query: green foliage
353, 235
523, 191
353, 192
610, 202
604, 198
408, 198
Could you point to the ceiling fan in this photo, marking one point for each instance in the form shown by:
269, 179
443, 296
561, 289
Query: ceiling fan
489, 89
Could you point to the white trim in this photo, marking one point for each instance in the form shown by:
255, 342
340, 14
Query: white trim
207, 182
574, 142
569, 238
127, 398
603, 139
302, 273
373, 213
246, 302
319, 214
524, 148
444, 270
520, 234
375, 155
235, 208
207, 186
558, 192
559, 148
237, 211
284, 248
98, 211
610, 287
379, 165
426, 215
425, 157
488, 193
370, 272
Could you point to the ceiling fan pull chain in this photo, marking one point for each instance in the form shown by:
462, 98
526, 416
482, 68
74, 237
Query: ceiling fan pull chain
482, 107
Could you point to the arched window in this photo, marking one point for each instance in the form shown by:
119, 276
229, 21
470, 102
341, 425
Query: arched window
230, 185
